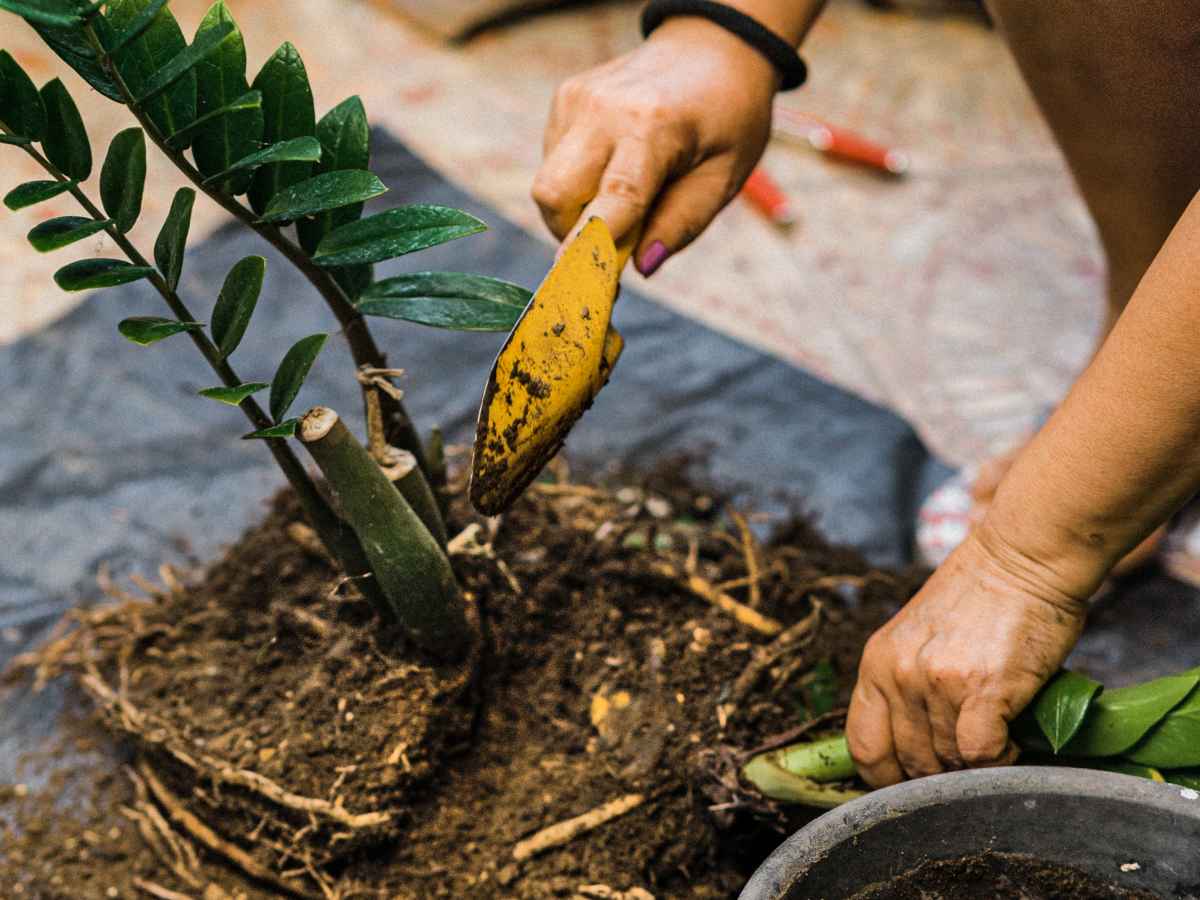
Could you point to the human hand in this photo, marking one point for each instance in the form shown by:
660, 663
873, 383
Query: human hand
662, 137
940, 682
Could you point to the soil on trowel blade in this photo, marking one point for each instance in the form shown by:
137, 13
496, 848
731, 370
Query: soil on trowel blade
278, 739
999, 876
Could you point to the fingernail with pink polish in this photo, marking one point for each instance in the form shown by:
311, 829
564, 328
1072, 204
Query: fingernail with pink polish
656, 254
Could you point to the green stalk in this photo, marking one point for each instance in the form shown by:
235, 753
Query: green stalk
402, 470
412, 571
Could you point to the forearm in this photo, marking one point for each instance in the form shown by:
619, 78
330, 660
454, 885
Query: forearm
1123, 451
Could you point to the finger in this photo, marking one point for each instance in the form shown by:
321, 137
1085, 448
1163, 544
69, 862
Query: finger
982, 734
913, 736
569, 177
684, 209
869, 734
628, 188
943, 721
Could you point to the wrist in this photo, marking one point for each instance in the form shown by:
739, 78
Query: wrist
692, 34
1047, 561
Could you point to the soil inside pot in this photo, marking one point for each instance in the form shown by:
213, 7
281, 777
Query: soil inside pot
999, 876
268, 717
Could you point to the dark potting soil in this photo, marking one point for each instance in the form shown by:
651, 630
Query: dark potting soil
999, 876
257, 719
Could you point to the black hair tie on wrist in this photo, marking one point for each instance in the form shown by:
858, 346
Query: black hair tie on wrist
780, 53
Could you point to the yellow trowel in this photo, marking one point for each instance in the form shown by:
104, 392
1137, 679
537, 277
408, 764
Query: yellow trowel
554, 363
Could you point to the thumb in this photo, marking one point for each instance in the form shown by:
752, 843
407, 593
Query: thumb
683, 211
982, 734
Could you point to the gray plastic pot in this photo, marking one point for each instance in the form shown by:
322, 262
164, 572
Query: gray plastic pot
1097, 822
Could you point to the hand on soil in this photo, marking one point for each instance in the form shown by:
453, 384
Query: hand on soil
940, 682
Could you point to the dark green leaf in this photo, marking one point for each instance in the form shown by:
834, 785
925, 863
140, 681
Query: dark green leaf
234, 395
346, 144
33, 192
307, 148
1119, 718
136, 27
88, 274
123, 178
282, 430
235, 305
1188, 778
37, 12
820, 689
1175, 741
221, 79
66, 141
206, 43
447, 300
333, 190
396, 232
171, 245
14, 140
289, 378
1062, 705
64, 231
21, 108
288, 113
249, 101
354, 280
72, 46
144, 60
146, 330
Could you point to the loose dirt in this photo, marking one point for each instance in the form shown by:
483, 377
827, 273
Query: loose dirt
258, 733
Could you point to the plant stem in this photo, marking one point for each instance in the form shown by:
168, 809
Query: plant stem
401, 430
336, 536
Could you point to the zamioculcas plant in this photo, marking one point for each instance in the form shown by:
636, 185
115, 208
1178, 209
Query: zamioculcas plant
257, 149
1151, 730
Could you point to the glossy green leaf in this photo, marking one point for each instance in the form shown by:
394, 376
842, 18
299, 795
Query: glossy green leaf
333, 190
64, 231
221, 79
72, 46
33, 192
66, 141
89, 274
345, 140
147, 330
447, 300
236, 303
282, 430
251, 100
206, 43
147, 60
171, 245
394, 233
307, 148
41, 13
234, 395
1175, 741
21, 108
123, 178
288, 113
136, 27
1119, 718
354, 280
1062, 705
289, 378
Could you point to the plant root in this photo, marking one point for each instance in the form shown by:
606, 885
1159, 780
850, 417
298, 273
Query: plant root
705, 590
794, 639
566, 831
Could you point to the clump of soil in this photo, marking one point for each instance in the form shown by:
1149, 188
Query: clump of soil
634, 644
999, 876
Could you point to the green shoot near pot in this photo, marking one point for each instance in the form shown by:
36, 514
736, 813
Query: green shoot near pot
1150, 730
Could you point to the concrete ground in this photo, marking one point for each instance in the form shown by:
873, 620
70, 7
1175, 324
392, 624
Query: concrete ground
964, 297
